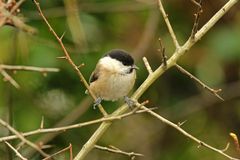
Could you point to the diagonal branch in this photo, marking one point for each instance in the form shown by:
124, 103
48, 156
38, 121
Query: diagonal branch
169, 26
7, 77
67, 56
22, 138
213, 91
88, 146
182, 131
16, 152
78, 125
197, 17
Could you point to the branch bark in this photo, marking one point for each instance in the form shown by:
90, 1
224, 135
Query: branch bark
88, 146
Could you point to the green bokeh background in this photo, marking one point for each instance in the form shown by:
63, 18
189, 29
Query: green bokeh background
121, 24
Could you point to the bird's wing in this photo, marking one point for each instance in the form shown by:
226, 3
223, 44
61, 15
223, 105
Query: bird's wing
94, 76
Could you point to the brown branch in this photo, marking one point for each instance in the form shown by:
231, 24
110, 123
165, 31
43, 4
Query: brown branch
28, 68
78, 125
70, 61
88, 146
213, 91
59, 152
162, 52
8, 78
197, 17
79, 110
16, 152
22, 138
116, 150
169, 26
182, 131
8, 17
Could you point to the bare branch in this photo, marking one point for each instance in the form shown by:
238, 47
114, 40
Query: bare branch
213, 91
22, 138
147, 65
59, 152
8, 78
170, 29
162, 52
82, 79
8, 17
16, 152
197, 17
150, 79
113, 149
78, 125
177, 127
28, 68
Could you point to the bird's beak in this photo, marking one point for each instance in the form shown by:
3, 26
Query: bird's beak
135, 67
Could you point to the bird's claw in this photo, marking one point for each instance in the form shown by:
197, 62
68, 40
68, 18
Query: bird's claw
97, 102
131, 103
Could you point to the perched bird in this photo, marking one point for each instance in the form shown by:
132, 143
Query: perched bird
113, 77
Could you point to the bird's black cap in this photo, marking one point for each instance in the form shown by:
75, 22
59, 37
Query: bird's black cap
121, 56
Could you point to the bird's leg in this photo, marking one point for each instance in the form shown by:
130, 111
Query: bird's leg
129, 101
97, 102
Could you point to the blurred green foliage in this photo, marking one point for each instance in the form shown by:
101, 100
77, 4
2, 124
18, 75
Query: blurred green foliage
111, 24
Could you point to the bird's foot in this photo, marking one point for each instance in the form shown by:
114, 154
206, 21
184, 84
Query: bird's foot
97, 102
130, 102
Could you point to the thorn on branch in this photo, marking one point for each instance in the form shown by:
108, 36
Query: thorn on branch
42, 123
235, 140
67, 56
62, 57
200, 144
162, 51
81, 65
226, 148
62, 35
181, 123
197, 17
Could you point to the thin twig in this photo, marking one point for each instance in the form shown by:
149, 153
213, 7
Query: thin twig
8, 78
182, 131
197, 17
82, 79
147, 65
59, 152
78, 125
162, 52
88, 146
213, 91
170, 29
22, 138
14, 20
16, 152
28, 68
113, 149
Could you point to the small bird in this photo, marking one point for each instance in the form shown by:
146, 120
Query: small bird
113, 77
